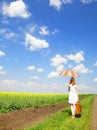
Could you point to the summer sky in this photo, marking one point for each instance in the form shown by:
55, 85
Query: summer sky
40, 38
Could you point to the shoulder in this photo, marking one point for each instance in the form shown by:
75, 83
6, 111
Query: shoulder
75, 85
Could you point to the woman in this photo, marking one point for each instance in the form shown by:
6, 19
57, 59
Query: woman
73, 95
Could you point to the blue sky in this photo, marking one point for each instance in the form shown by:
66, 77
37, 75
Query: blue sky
39, 39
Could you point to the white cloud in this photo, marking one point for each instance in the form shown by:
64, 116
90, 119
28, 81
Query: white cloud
2, 53
2, 71
32, 28
82, 69
7, 33
55, 31
95, 80
59, 67
34, 77
95, 64
44, 30
10, 35
86, 1
33, 43
15, 85
67, 1
83, 88
35, 87
58, 3
9, 82
58, 60
40, 70
2, 31
31, 68
53, 74
15, 9
30, 86
77, 58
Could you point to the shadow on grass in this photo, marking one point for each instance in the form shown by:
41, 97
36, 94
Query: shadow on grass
78, 115
68, 112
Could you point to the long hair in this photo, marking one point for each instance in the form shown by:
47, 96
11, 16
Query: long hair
72, 81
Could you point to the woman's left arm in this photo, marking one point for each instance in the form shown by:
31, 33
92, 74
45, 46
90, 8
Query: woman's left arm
76, 89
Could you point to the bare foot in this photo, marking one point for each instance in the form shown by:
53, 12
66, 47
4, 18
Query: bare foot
73, 117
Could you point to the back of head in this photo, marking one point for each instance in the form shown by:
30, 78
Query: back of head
72, 81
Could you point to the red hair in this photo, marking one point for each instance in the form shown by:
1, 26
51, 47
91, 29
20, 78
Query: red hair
72, 81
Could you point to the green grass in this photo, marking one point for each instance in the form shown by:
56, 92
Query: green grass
15, 101
62, 120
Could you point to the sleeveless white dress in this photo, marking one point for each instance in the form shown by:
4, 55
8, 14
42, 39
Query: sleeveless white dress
73, 96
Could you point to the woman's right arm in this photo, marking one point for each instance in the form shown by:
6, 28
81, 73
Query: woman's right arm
68, 86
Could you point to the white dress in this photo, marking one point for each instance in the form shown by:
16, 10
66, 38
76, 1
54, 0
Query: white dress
73, 96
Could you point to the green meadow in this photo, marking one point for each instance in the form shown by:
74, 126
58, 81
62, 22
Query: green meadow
59, 121
14, 101
62, 120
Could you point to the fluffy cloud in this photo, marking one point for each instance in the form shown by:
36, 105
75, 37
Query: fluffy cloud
77, 58
10, 35
58, 3
40, 70
33, 43
95, 64
2, 31
2, 71
86, 1
30, 86
31, 68
7, 33
31, 28
15, 85
15, 9
95, 80
44, 30
55, 31
83, 88
34, 77
58, 60
2, 53
53, 74
82, 69
59, 67
9, 82
67, 1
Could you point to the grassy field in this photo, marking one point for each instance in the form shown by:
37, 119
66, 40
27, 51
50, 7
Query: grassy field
15, 101
62, 120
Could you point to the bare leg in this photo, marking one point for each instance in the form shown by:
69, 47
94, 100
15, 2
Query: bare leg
73, 110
